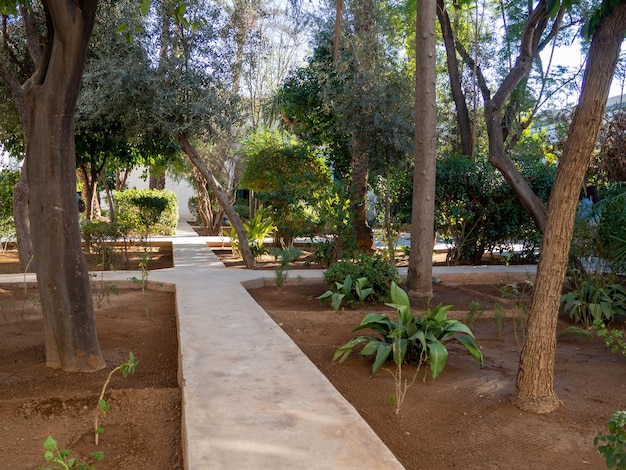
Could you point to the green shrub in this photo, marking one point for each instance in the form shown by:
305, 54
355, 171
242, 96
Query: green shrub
149, 211
611, 229
7, 181
257, 229
349, 291
414, 339
595, 302
379, 272
323, 252
613, 446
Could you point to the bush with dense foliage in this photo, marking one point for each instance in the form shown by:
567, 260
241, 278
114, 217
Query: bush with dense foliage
290, 179
147, 211
378, 270
477, 210
7, 181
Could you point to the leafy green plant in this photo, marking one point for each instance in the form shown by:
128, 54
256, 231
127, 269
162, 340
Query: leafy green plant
149, 211
499, 318
257, 229
323, 252
60, 458
378, 270
101, 290
427, 332
595, 302
613, 337
349, 291
7, 227
103, 407
286, 257
475, 311
613, 445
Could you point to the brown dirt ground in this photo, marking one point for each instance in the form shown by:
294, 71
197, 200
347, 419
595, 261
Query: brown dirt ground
463, 419
142, 431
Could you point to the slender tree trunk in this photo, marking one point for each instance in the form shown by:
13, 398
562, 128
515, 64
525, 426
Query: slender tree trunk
22, 222
419, 276
535, 379
466, 132
493, 117
222, 197
64, 283
365, 54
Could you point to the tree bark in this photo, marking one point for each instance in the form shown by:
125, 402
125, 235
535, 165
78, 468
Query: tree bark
463, 118
493, 117
64, 283
535, 379
221, 196
364, 56
419, 276
22, 222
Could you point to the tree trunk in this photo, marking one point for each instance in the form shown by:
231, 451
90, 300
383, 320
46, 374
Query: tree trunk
64, 283
22, 222
463, 119
535, 378
222, 197
493, 117
364, 54
419, 276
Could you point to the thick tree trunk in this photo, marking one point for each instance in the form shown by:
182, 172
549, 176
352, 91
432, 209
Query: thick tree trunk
535, 379
456, 88
221, 196
64, 283
419, 276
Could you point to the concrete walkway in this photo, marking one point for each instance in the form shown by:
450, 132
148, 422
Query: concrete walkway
251, 398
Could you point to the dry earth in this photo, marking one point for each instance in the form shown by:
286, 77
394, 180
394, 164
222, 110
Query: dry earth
463, 419
142, 429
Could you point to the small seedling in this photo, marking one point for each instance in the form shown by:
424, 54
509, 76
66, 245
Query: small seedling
126, 368
613, 446
62, 460
475, 311
499, 319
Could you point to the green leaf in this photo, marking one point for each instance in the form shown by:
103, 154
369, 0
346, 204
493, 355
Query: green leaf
552, 7
97, 456
383, 353
145, 7
103, 405
399, 348
344, 351
372, 347
472, 347
336, 300
121, 28
399, 296
440, 314
438, 356
50, 443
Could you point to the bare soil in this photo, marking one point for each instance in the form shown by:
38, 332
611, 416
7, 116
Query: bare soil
142, 429
120, 257
464, 418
